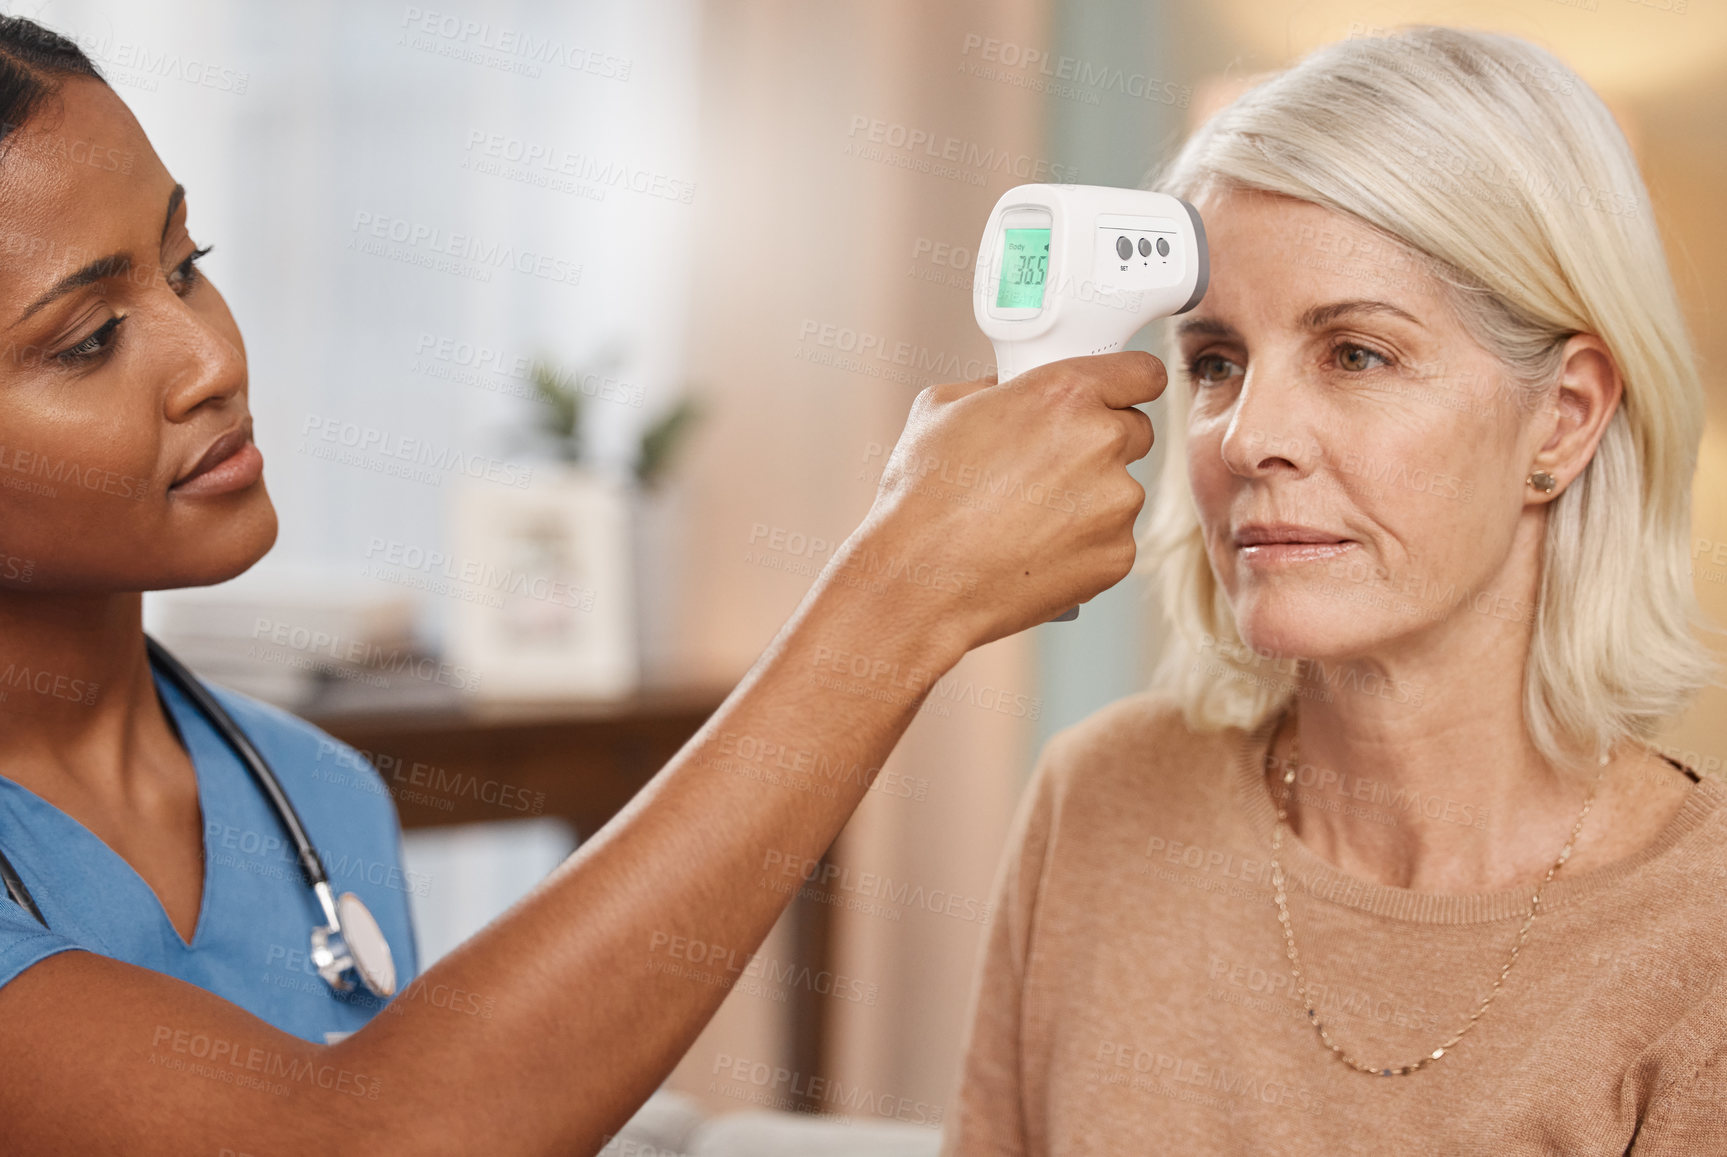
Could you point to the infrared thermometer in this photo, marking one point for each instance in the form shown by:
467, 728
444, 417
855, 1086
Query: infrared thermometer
1069, 270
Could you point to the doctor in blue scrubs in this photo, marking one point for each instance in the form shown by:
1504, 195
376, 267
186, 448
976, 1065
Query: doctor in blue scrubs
205, 945
249, 944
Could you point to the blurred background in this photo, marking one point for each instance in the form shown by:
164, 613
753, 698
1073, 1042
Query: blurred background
578, 334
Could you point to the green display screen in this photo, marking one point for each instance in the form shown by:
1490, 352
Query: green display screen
1024, 265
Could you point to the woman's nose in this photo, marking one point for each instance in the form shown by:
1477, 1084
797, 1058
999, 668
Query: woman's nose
207, 363
1263, 432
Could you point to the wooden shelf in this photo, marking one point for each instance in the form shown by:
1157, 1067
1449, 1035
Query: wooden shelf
448, 759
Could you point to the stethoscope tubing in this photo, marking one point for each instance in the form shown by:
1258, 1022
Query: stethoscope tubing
311, 864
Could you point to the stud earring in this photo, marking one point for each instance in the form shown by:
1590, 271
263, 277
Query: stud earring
1542, 481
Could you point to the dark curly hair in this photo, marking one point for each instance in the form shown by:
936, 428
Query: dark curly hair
31, 59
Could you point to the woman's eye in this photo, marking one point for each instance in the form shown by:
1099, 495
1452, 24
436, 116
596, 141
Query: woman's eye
185, 275
1210, 369
1354, 358
93, 346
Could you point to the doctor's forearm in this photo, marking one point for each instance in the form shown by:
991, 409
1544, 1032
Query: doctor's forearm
592, 987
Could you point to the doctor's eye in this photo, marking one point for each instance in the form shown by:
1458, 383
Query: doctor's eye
185, 276
92, 346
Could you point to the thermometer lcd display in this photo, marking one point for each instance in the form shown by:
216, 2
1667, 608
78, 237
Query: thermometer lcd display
1024, 265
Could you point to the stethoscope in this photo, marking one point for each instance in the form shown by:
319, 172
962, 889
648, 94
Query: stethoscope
349, 940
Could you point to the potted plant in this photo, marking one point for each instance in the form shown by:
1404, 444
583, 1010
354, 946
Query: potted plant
565, 586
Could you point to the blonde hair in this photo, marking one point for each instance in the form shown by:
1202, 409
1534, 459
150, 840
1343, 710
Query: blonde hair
1502, 175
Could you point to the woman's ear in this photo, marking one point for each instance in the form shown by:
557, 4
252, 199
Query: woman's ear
1587, 395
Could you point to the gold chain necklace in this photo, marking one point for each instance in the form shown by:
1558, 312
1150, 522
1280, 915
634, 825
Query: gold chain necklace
1289, 934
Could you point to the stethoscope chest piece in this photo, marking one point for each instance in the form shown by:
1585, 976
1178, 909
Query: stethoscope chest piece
352, 941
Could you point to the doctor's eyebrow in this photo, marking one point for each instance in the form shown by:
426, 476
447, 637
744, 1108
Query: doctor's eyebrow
113, 265
1317, 317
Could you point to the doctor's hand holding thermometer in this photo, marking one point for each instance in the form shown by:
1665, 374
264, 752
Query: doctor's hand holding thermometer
1068, 270
598, 981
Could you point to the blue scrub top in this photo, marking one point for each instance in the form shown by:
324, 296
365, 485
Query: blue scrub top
251, 945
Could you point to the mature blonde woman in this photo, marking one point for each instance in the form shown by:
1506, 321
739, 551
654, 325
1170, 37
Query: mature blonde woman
1386, 862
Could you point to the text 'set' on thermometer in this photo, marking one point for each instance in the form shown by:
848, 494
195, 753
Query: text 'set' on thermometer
1064, 271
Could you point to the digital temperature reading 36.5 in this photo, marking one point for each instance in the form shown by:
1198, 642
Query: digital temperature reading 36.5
1024, 265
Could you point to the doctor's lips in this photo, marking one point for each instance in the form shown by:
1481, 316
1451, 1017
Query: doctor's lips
1268, 542
231, 463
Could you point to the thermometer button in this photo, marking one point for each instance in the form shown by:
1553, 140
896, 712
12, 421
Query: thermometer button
1144, 247
1163, 247
1124, 248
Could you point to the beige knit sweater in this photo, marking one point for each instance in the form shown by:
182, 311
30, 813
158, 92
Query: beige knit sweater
1135, 996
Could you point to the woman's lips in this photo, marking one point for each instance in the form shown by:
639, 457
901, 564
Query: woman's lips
232, 463
1278, 553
